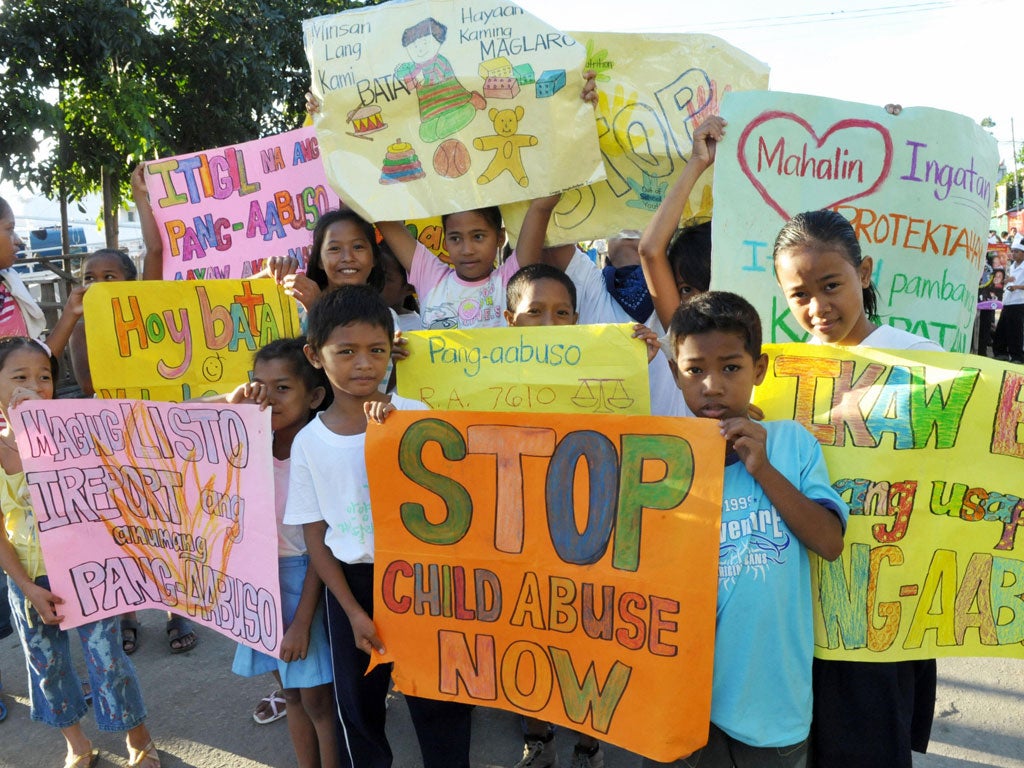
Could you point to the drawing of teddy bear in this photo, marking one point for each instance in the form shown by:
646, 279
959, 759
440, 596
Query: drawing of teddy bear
507, 144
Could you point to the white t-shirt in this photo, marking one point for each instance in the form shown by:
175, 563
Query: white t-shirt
1016, 271
328, 482
887, 337
447, 301
596, 305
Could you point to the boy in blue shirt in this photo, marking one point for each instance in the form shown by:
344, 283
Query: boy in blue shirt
777, 504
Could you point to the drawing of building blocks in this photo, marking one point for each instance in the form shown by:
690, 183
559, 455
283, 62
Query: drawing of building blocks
501, 88
550, 82
499, 67
523, 73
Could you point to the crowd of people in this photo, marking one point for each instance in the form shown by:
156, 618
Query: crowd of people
772, 704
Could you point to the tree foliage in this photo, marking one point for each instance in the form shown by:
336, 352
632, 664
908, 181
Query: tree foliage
90, 87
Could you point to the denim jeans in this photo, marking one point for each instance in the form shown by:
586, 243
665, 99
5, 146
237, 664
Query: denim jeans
55, 691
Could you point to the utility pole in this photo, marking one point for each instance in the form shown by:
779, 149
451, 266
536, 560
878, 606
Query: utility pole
1016, 177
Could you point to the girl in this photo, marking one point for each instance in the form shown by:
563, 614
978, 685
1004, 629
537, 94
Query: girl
344, 252
27, 372
864, 713
103, 266
294, 390
472, 295
20, 315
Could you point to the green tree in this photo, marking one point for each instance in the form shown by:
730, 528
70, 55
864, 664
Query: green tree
75, 99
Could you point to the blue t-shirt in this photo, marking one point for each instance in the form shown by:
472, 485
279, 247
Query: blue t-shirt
764, 632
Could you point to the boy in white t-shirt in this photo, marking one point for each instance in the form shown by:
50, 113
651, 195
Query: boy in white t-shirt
349, 336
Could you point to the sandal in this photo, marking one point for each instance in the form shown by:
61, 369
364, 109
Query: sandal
180, 636
85, 760
270, 708
130, 635
147, 757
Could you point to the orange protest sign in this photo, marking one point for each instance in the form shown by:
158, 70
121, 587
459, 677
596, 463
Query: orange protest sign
566, 572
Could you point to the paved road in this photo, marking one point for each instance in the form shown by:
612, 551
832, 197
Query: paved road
200, 715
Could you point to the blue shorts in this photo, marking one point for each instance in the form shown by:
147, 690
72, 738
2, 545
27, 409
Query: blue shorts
309, 672
55, 691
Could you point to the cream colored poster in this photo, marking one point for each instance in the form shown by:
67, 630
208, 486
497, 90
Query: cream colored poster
653, 90
434, 106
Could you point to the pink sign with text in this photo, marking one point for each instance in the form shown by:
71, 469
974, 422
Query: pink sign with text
222, 212
156, 505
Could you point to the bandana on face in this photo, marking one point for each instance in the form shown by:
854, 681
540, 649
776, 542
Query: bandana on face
628, 287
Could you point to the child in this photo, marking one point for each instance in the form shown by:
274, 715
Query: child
865, 713
540, 294
20, 315
344, 252
776, 499
294, 390
349, 338
27, 372
104, 266
399, 294
472, 294
677, 262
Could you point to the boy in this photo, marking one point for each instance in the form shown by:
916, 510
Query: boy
540, 294
349, 336
777, 504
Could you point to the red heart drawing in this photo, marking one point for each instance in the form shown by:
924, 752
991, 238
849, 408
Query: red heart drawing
842, 125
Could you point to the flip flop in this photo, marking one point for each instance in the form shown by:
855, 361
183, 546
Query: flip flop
85, 760
147, 757
179, 631
130, 635
275, 702
3, 707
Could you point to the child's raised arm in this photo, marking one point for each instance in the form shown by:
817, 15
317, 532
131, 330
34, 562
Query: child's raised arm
530, 245
817, 527
656, 237
153, 260
399, 240
57, 339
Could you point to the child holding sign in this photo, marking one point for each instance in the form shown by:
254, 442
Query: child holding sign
27, 372
865, 713
540, 294
777, 504
284, 381
349, 338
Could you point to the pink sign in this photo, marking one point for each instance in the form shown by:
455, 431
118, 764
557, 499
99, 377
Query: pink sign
156, 505
223, 212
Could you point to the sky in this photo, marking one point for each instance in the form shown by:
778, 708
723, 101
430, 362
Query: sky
957, 55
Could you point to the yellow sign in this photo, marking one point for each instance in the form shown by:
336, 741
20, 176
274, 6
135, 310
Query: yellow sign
502, 581
654, 90
571, 369
154, 340
429, 107
926, 448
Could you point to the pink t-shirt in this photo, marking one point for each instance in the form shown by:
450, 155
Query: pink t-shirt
290, 541
447, 301
12, 321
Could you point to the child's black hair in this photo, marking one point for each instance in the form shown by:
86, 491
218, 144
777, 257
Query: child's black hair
826, 230
131, 272
11, 344
291, 351
717, 311
388, 258
429, 26
5, 209
491, 214
530, 274
689, 255
346, 305
315, 268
